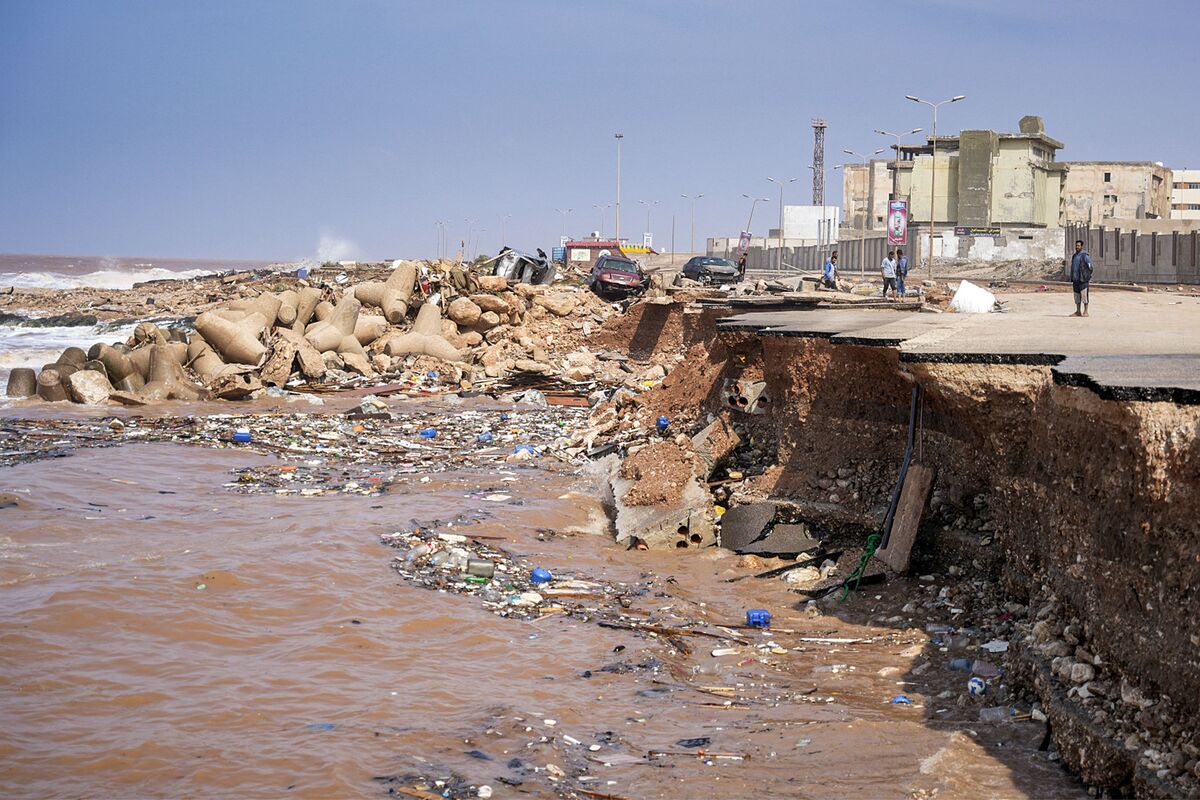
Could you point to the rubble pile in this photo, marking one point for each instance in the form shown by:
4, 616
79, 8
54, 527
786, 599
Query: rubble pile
472, 329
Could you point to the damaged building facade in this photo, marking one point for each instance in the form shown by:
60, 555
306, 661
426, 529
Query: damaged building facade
1100, 190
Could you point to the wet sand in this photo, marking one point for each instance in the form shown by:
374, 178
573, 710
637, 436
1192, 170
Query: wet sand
306, 667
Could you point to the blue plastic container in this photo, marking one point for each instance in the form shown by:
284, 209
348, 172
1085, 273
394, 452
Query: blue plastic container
484, 437
758, 618
302, 273
540, 575
242, 436
661, 424
429, 433
525, 448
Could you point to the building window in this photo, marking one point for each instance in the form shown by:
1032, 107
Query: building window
1108, 177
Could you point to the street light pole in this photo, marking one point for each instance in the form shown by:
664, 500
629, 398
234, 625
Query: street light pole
649, 205
564, 212
896, 169
603, 209
503, 228
618, 137
753, 202
692, 246
933, 170
862, 233
781, 183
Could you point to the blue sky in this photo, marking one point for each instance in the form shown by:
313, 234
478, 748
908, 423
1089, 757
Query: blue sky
260, 129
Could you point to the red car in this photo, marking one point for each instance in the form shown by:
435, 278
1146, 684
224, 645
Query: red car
616, 275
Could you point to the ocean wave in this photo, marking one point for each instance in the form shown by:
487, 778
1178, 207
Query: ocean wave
100, 279
33, 347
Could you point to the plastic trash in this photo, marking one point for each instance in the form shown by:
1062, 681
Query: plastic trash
758, 618
241, 435
972, 299
540, 575
302, 273
976, 686
661, 424
429, 433
961, 664
481, 567
985, 669
484, 437
525, 448
901, 700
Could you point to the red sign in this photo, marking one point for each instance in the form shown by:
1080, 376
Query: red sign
743, 242
897, 222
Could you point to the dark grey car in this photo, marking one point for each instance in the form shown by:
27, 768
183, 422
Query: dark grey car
711, 269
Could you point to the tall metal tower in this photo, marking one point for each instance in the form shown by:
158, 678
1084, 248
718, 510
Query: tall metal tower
818, 194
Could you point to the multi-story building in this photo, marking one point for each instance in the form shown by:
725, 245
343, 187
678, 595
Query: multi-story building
1099, 190
865, 189
1185, 194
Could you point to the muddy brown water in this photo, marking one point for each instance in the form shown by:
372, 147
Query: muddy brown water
305, 666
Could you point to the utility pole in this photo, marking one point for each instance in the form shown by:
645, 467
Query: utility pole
896, 168
618, 137
753, 202
933, 170
692, 246
649, 205
781, 183
603, 209
862, 237
504, 218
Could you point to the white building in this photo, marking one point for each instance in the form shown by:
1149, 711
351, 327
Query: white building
811, 224
1185, 194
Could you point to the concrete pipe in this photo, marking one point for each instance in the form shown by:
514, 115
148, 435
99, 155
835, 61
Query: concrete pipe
73, 355
51, 386
22, 382
306, 305
397, 292
287, 307
116, 363
237, 342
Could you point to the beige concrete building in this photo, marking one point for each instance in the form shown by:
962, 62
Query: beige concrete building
1100, 190
1185, 194
860, 194
986, 179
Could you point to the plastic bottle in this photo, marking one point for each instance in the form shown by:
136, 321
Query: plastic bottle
429, 433
241, 436
961, 664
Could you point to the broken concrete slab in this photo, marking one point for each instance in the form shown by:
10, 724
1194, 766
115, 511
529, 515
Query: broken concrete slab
744, 524
784, 539
914, 498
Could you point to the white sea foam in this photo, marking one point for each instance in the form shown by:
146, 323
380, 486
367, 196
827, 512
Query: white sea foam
33, 347
100, 279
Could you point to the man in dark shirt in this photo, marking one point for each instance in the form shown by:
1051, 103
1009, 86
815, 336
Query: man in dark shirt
1081, 276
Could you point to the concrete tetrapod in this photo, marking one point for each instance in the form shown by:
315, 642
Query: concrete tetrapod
266, 304
425, 337
370, 293
167, 379
116, 363
329, 333
306, 304
287, 306
207, 363
397, 291
369, 327
51, 386
73, 355
236, 341
22, 382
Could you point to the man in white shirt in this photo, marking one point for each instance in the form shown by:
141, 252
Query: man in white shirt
888, 268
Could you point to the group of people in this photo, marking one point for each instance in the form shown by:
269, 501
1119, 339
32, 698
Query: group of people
894, 269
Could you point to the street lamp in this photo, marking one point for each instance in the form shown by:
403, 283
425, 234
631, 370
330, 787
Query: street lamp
693, 198
862, 235
603, 210
467, 241
441, 226
933, 168
504, 218
753, 202
564, 212
618, 137
781, 184
649, 204
896, 170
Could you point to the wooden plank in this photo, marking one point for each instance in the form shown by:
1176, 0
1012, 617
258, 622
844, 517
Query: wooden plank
914, 497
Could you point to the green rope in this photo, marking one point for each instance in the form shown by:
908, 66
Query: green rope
872, 545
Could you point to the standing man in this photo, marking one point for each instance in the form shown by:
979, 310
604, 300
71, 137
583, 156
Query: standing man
742, 267
1081, 276
901, 271
888, 268
830, 278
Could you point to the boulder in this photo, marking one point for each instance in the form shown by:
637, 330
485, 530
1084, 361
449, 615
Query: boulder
487, 321
493, 283
464, 311
490, 302
558, 304
89, 387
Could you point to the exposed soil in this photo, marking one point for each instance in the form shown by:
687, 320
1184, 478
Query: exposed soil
660, 471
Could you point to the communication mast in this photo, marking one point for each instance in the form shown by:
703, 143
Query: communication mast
818, 193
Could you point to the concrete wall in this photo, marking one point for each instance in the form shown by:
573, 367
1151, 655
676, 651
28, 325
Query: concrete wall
859, 193
868, 252
976, 151
1133, 190
1026, 188
1132, 257
917, 188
